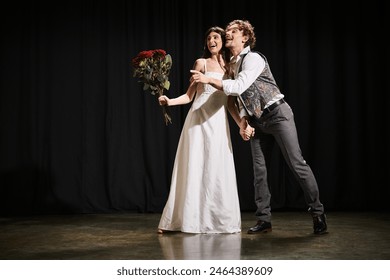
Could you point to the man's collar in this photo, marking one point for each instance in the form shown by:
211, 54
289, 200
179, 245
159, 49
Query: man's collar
245, 51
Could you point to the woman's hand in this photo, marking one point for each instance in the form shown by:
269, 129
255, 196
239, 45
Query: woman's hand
163, 100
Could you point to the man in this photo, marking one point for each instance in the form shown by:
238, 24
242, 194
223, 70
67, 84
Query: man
263, 105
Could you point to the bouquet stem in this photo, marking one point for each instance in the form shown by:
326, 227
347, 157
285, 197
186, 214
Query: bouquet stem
166, 115
165, 111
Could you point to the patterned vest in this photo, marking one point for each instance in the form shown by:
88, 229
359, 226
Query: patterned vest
263, 90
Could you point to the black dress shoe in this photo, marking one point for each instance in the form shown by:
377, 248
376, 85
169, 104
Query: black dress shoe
261, 227
319, 224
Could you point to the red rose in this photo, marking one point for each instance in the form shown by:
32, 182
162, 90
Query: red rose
142, 55
160, 52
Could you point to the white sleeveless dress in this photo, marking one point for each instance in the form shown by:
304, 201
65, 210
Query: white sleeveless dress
203, 195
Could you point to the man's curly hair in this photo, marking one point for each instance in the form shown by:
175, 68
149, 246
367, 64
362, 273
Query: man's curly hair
247, 29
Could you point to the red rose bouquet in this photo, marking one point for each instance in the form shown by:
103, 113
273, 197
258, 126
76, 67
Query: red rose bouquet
152, 69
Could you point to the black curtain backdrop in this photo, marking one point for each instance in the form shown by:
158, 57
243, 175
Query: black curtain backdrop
79, 135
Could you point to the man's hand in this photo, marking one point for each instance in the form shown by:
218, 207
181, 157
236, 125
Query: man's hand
198, 77
246, 131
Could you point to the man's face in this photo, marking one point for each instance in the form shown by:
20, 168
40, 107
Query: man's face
234, 37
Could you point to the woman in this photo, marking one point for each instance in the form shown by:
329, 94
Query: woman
203, 195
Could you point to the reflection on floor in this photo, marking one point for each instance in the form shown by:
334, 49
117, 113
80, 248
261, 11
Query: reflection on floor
352, 236
201, 246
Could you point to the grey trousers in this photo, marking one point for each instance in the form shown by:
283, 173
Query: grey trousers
278, 125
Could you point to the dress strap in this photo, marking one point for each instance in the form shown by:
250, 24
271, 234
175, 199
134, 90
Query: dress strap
205, 63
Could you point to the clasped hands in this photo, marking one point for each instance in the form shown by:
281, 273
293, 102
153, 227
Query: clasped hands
246, 131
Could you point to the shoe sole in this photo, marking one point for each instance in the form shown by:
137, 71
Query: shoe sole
262, 231
321, 233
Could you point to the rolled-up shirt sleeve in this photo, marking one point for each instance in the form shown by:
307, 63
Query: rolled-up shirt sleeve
252, 66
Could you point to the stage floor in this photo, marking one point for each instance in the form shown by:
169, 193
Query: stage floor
352, 236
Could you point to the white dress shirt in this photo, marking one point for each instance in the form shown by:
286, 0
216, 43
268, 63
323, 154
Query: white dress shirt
252, 67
